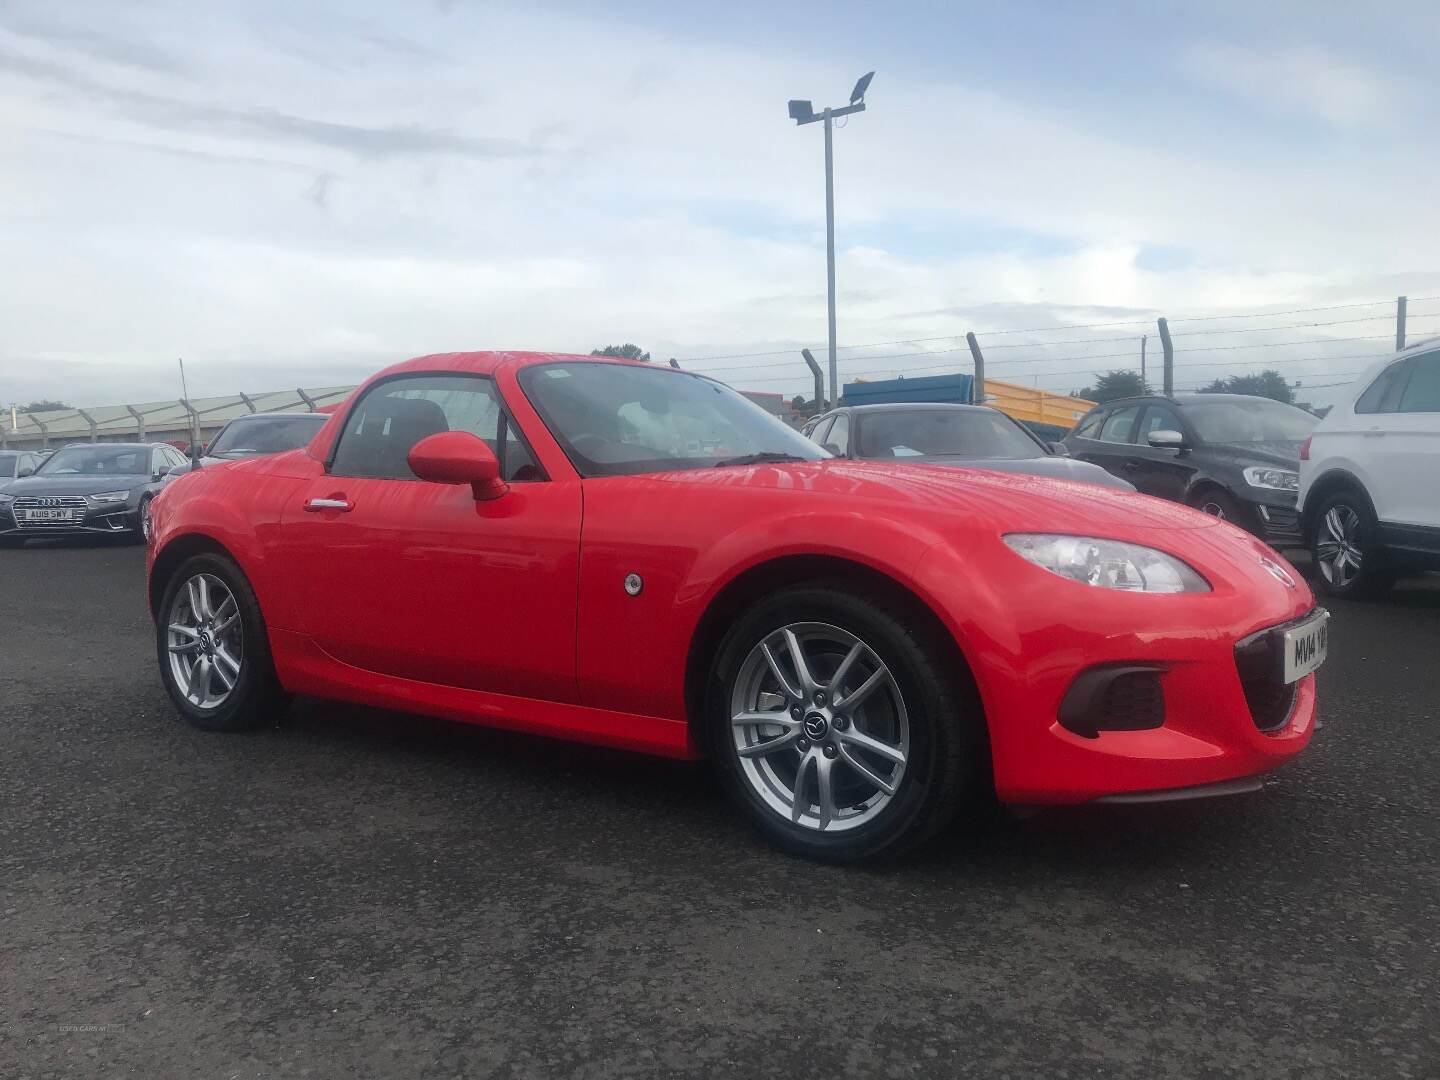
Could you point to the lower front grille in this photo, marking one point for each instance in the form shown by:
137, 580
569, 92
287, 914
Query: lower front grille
74, 507
1270, 702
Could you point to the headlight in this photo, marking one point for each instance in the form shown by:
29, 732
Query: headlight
106, 497
1274, 479
1107, 564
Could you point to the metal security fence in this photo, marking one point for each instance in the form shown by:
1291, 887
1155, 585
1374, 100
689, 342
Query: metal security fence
159, 421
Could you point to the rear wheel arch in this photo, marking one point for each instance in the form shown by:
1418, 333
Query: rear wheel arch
756, 582
173, 555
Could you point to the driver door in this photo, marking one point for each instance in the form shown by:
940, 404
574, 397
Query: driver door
422, 581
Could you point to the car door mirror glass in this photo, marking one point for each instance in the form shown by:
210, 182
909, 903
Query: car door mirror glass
1165, 439
458, 457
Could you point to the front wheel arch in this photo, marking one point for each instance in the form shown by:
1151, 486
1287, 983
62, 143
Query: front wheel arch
756, 582
173, 555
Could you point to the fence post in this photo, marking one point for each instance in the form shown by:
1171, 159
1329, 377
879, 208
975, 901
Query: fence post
1169, 347
248, 403
94, 434
977, 390
44, 431
1143, 339
1400, 304
306, 398
139, 422
819, 379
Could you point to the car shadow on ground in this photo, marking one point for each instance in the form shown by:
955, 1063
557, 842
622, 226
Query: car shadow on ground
600, 790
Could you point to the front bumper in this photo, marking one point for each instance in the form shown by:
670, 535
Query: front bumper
1279, 524
1058, 631
115, 520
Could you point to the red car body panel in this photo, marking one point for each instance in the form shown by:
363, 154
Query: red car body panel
512, 612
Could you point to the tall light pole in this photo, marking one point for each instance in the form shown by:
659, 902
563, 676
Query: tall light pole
802, 112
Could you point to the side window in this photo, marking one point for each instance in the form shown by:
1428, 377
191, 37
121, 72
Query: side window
1422, 391
837, 439
159, 463
1120, 425
394, 415
1090, 427
1158, 418
823, 428
1384, 393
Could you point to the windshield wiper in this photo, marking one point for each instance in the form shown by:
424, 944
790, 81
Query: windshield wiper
758, 459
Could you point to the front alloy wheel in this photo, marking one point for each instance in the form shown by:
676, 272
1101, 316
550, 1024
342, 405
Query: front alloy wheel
1343, 544
843, 720
206, 641
213, 648
820, 726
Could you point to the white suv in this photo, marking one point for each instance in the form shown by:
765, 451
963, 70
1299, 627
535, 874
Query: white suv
1370, 477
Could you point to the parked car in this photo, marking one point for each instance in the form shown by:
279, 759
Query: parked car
634, 555
89, 488
1370, 477
254, 436
1233, 456
18, 463
935, 434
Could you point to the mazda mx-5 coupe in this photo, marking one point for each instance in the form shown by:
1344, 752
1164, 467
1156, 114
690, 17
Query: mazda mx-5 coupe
637, 556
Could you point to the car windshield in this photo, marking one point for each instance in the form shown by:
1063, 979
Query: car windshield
97, 461
266, 435
967, 433
1249, 421
618, 419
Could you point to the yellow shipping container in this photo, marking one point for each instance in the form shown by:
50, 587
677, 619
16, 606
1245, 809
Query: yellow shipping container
1035, 406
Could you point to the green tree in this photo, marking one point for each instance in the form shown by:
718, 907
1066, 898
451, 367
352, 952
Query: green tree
625, 352
1270, 384
805, 408
1114, 384
45, 405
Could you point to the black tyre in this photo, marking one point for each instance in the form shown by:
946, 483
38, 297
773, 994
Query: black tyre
213, 649
840, 725
1217, 502
1345, 545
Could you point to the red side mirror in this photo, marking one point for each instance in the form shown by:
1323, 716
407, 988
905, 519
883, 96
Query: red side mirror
458, 457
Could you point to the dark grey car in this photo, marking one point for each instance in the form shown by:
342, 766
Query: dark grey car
87, 489
1231, 455
255, 436
973, 436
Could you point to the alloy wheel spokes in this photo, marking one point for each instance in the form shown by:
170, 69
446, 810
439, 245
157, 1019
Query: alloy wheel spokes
205, 642
819, 726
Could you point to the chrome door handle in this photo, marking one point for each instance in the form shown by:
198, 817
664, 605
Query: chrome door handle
315, 506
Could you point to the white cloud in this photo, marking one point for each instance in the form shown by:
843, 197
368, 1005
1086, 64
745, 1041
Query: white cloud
285, 201
1296, 79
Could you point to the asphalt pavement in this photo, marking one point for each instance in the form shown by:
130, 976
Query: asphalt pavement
357, 893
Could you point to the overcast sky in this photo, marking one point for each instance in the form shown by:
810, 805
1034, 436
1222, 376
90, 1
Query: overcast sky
299, 193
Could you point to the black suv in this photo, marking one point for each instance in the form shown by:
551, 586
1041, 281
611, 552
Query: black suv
1231, 455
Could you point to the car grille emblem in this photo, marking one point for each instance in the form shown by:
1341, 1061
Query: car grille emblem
48, 502
1278, 572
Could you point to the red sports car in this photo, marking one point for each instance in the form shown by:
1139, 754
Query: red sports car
637, 556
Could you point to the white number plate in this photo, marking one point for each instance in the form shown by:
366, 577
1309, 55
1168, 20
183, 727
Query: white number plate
49, 515
1305, 646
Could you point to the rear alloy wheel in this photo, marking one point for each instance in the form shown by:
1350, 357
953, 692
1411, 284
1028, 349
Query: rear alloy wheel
213, 649
839, 725
1344, 548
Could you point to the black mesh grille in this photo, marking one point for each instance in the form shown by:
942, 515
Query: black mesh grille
1133, 702
1269, 701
